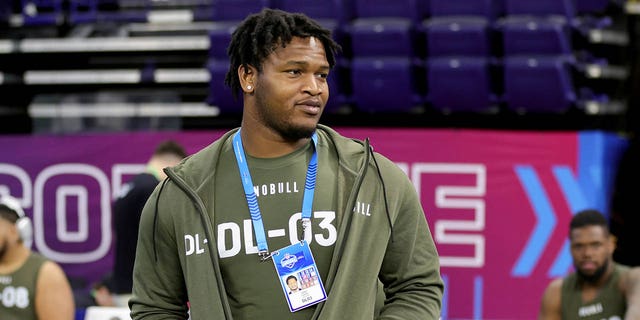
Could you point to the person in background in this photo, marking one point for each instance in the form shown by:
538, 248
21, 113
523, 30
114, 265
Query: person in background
599, 288
126, 210
284, 193
31, 286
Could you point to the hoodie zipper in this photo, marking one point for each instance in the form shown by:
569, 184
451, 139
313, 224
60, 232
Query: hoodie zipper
339, 248
206, 222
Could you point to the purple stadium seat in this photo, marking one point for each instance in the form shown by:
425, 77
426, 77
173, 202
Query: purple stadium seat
337, 10
382, 37
337, 97
42, 12
331, 14
565, 8
5, 11
460, 84
489, 9
538, 84
534, 35
457, 35
83, 11
384, 84
219, 38
592, 6
220, 94
236, 10
410, 9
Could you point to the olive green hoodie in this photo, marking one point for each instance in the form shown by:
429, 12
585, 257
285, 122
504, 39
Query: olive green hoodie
384, 266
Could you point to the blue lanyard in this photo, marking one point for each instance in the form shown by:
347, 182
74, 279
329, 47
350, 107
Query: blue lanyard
252, 199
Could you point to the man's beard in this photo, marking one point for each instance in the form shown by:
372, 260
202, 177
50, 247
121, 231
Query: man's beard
280, 122
596, 276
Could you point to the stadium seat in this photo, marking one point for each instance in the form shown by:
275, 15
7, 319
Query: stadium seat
5, 12
42, 12
382, 37
538, 84
236, 10
335, 10
219, 38
331, 14
457, 35
220, 94
565, 8
460, 84
384, 84
594, 6
534, 35
410, 9
489, 9
83, 11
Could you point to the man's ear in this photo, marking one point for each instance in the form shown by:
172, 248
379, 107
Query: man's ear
247, 76
613, 242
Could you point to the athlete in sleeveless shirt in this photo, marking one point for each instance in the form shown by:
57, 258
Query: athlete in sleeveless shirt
599, 289
31, 287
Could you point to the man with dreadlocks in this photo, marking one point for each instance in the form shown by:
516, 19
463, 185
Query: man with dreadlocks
284, 196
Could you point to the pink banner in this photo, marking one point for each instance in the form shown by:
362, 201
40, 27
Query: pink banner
498, 203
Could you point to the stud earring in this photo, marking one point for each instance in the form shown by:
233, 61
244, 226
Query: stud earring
249, 87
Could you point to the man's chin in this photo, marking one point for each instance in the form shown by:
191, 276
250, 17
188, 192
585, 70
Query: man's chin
590, 277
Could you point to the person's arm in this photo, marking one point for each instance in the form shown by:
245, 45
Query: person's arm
411, 270
54, 298
550, 307
632, 283
159, 291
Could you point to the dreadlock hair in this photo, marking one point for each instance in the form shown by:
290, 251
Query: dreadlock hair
589, 217
260, 34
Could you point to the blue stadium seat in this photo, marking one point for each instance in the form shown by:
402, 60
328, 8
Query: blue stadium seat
5, 11
236, 10
42, 12
592, 6
336, 10
538, 84
384, 84
534, 35
565, 8
337, 94
219, 38
382, 37
457, 35
410, 9
331, 14
489, 9
220, 94
460, 84
83, 11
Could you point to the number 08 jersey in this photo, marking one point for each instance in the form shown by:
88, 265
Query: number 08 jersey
17, 290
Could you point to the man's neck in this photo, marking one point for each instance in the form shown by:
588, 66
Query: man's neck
264, 143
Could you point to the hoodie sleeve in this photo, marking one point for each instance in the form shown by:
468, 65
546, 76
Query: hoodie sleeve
158, 286
410, 270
